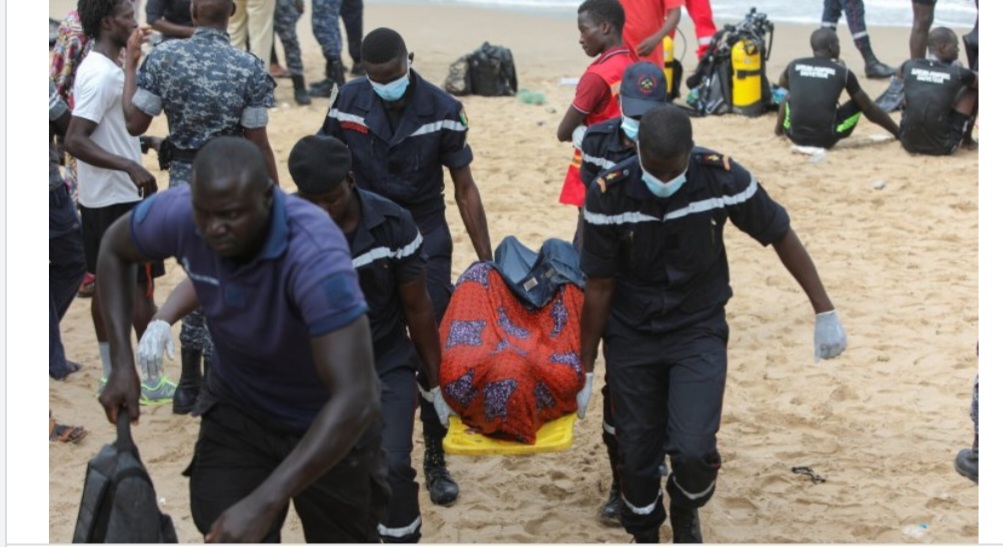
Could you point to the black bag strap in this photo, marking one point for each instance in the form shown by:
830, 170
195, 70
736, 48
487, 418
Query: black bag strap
124, 440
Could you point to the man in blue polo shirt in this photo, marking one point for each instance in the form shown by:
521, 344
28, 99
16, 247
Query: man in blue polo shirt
653, 236
402, 131
291, 411
387, 254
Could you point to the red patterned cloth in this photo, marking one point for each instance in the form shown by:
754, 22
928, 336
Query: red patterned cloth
507, 370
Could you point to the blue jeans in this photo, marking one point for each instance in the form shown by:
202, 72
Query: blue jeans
66, 270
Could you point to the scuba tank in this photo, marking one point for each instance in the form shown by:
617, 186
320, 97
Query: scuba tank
747, 77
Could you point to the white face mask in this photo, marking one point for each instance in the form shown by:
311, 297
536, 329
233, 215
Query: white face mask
395, 89
630, 127
656, 186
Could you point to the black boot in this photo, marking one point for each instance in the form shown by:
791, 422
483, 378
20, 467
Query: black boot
609, 513
647, 537
300, 93
441, 487
191, 381
873, 68
685, 525
335, 75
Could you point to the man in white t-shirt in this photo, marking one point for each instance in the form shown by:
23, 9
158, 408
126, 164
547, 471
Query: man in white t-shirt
111, 178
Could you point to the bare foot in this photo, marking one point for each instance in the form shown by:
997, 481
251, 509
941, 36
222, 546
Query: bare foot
278, 71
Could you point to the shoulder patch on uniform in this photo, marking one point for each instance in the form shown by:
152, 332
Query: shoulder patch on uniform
610, 178
717, 160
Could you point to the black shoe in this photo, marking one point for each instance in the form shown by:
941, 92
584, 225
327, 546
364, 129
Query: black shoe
190, 384
685, 525
967, 464
300, 94
441, 487
647, 537
609, 513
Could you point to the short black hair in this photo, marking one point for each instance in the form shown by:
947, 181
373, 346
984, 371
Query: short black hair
230, 156
383, 45
665, 131
91, 13
822, 38
605, 11
940, 36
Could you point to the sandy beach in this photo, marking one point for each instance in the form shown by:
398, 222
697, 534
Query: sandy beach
894, 242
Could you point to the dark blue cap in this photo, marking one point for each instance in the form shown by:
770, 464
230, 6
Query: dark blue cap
641, 89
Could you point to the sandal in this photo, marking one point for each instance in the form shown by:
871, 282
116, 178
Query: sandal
65, 433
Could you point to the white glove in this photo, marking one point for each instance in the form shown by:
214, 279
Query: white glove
577, 136
150, 351
442, 409
585, 395
830, 338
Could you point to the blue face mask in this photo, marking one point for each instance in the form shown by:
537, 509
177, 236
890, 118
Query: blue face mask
657, 187
630, 127
395, 89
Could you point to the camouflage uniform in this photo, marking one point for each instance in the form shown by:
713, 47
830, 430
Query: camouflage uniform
286, 16
206, 88
325, 21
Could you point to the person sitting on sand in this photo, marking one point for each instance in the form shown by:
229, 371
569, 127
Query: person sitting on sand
940, 98
811, 114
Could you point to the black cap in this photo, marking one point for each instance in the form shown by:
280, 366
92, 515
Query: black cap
641, 89
319, 163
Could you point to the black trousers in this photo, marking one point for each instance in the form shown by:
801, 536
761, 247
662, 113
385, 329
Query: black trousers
399, 395
438, 245
667, 395
235, 453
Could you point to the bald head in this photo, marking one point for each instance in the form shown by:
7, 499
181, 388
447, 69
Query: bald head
230, 158
212, 13
941, 37
825, 43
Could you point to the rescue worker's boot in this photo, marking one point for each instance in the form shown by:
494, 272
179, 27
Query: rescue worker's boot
609, 513
685, 525
441, 487
190, 383
647, 537
300, 93
334, 75
873, 68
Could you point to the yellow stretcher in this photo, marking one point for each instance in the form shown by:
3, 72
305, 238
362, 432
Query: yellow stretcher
554, 436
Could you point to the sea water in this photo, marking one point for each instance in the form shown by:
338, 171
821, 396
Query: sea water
959, 14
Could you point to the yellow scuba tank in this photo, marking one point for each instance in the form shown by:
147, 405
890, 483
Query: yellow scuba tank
669, 55
747, 77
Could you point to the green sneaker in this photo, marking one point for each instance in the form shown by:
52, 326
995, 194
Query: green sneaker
160, 393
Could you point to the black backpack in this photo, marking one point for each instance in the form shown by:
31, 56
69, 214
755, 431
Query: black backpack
119, 504
490, 72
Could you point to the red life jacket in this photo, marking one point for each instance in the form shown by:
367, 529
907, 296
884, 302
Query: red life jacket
609, 66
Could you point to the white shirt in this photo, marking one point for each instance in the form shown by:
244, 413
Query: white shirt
97, 92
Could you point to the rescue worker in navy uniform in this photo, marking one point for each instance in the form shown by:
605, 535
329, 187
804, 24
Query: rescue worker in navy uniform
387, 253
653, 235
811, 115
606, 144
402, 130
940, 98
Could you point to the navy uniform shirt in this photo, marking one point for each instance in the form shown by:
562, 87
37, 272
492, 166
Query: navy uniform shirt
386, 252
402, 162
262, 314
603, 148
207, 88
667, 254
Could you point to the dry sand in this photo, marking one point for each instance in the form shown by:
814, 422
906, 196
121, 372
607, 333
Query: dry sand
882, 422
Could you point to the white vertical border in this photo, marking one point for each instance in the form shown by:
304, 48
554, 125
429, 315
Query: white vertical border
24, 273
